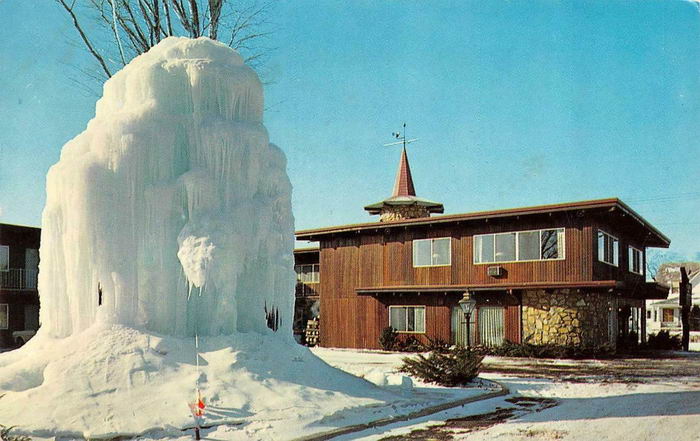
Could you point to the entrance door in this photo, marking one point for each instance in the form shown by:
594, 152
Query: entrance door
459, 328
491, 325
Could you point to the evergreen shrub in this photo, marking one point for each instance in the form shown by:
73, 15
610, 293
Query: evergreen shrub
455, 367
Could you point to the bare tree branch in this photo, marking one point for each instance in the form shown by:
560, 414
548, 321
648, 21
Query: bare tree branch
128, 28
88, 44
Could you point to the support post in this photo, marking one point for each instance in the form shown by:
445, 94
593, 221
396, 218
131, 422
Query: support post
684, 298
468, 317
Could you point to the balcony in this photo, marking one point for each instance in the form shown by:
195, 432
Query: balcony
18, 279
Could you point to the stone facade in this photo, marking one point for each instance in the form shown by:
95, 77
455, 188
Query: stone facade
568, 317
399, 212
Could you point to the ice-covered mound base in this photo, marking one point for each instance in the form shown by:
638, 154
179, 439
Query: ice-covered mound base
112, 380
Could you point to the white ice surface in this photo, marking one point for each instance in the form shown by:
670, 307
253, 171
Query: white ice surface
173, 189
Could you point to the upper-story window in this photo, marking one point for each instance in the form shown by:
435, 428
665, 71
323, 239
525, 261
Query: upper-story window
519, 246
608, 248
4, 258
635, 261
432, 252
307, 273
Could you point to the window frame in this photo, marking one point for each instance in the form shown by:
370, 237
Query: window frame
5, 249
315, 273
432, 243
7, 315
614, 254
630, 260
561, 247
406, 308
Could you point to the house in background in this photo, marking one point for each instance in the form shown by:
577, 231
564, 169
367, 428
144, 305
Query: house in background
665, 315
19, 298
568, 273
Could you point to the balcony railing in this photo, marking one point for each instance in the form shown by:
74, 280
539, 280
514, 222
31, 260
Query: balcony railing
19, 279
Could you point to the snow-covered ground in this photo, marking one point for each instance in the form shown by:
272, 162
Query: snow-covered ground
589, 407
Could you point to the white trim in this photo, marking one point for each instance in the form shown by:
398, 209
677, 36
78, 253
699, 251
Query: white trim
408, 306
432, 240
616, 249
7, 315
561, 246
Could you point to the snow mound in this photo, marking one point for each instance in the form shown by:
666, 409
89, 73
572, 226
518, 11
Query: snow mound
112, 380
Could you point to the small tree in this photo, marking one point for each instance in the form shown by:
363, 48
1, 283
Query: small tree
456, 367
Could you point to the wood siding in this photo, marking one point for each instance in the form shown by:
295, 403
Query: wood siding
385, 258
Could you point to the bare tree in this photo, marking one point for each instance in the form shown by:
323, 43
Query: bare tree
115, 31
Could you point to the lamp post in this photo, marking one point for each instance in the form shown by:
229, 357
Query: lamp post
467, 303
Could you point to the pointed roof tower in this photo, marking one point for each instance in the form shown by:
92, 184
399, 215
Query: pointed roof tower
403, 203
403, 186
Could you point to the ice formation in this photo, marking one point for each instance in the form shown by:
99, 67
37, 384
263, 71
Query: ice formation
172, 203
168, 217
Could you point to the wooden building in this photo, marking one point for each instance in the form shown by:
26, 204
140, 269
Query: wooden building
571, 273
19, 267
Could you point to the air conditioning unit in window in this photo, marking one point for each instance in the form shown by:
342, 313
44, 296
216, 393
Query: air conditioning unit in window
495, 271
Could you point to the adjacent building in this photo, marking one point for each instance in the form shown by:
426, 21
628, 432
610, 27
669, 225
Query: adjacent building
571, 273
19, 298
665, 315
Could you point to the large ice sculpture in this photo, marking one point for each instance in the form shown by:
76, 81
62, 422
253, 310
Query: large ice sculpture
172, 208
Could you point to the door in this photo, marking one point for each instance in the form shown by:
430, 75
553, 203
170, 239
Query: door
459, 328
491, 325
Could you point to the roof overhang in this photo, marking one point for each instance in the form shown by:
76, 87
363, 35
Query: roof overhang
598, 284
656, 238
653, 291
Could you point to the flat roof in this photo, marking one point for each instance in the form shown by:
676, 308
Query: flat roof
314, 234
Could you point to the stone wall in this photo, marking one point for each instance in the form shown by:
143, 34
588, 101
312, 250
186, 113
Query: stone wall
399, 212
567, 317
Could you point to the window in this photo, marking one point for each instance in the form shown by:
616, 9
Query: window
608, 248
307, 273
4, 258
519, 246
407, 318
635, 260
667, 315
648, 315
432, 252
4, 316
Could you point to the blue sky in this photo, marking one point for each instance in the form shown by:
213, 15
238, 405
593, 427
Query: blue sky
515, 103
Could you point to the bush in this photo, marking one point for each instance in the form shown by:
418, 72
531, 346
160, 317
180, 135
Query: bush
529, 350
409, 344
387, 339
437, 344
663, 341
458, 366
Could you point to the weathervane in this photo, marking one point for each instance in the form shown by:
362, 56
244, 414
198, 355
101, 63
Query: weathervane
401, 137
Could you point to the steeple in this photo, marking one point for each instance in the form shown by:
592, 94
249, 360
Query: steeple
403, 203
403, 186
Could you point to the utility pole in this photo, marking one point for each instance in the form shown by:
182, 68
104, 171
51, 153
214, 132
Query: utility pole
684, 298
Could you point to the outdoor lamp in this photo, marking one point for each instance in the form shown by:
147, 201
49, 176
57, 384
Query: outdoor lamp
467, 303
